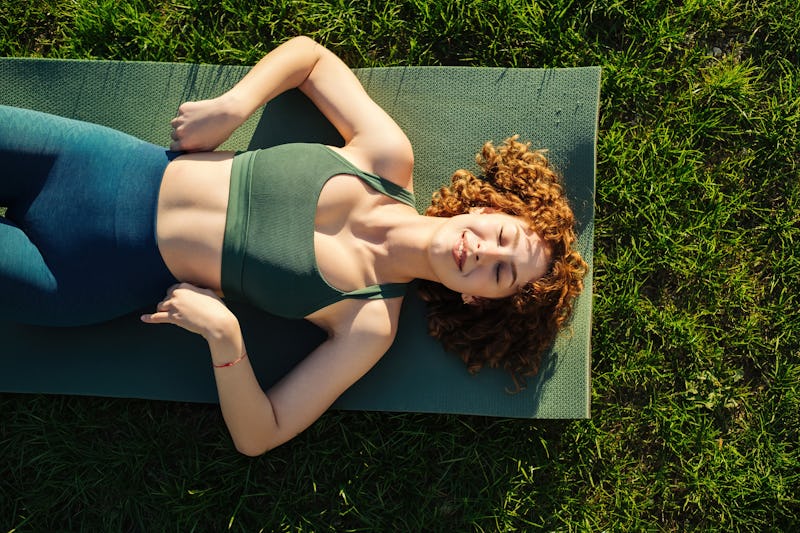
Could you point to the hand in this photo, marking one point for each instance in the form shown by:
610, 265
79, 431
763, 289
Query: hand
197, 310
202, 126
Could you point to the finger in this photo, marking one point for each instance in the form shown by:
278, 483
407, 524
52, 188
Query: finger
155, 318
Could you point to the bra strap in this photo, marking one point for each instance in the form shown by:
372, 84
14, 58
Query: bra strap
378, 292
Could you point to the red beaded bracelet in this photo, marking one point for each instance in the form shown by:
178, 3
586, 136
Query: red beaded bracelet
234, 362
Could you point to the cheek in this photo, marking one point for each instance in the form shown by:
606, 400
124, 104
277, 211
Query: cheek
485, 286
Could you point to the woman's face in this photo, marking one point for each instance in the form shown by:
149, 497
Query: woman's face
487, 254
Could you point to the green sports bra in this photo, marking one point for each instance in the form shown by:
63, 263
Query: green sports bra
268, 257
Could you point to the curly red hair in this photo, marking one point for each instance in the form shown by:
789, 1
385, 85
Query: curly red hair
512, 332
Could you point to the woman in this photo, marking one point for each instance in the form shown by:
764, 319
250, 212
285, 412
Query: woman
305, 231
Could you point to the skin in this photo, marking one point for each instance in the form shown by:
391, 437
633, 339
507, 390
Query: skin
491, 254
361, 238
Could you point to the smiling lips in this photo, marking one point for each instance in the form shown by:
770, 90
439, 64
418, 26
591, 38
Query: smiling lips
460, 251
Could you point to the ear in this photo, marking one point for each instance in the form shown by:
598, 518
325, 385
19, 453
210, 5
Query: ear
482, 210
469, 299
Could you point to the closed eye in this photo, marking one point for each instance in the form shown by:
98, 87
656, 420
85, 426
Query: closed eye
499, 265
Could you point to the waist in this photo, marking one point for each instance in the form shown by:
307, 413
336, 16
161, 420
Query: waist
190, 223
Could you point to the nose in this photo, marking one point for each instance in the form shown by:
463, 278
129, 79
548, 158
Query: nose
488, 251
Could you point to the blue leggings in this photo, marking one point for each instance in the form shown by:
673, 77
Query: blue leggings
78, 242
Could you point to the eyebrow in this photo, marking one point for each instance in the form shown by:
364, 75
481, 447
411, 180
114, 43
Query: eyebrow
514, 264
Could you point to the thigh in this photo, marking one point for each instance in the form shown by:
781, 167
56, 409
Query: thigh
27, 153
55, 160
83, 198
26, 282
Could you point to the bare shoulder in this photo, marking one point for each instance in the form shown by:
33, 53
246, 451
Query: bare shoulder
392, 158
368, 325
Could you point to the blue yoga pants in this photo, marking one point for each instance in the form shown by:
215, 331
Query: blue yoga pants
78, 242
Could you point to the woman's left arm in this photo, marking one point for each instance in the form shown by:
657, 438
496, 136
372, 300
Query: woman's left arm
257, 420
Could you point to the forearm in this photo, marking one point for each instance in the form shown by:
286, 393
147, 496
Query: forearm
245, 407
284, 68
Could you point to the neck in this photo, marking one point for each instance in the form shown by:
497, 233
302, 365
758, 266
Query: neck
404, 254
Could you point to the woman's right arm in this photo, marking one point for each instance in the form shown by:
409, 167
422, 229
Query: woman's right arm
327, 82
205, 124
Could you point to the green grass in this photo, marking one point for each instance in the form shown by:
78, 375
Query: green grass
696, 344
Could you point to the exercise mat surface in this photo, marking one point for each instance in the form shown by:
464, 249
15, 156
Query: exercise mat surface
447, 112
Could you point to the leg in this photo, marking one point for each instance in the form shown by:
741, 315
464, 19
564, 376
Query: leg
25, 279
26, 282
82, 199
29, 148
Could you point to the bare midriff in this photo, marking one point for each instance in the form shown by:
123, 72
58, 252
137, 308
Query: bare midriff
190, 224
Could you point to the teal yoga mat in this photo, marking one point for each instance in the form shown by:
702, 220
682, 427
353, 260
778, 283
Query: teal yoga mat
447, 112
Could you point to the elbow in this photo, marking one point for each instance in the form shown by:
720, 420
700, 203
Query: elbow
253, 445
305, 44
251, 453
256, 435
257, 445
303, 39
310, 51
252, 449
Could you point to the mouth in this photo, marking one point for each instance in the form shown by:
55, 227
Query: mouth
460, 252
